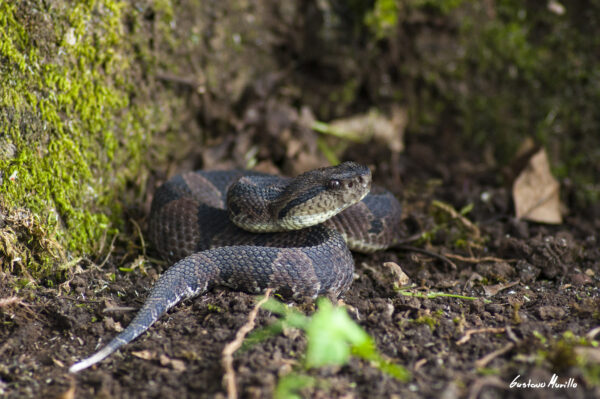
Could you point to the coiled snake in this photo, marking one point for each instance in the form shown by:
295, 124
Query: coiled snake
296, 239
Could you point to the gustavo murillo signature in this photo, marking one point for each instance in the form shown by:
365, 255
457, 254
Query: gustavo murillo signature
553, 383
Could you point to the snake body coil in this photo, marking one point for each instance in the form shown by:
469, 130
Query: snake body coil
191, 224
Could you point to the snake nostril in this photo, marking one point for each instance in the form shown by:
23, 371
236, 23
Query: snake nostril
350, 185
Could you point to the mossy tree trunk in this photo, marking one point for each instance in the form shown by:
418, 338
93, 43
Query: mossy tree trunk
80, 105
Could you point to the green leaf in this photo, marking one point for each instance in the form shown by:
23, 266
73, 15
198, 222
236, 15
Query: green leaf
292, 317
288, 386
331, 335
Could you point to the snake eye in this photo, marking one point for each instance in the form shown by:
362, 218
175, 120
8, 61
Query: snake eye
333, 184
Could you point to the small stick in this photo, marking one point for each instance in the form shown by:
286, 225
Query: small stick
110, 250
139, 231
168, 77
468, 333
456, 215
230, 348
472, 259
426, 252
491, 356
119, 309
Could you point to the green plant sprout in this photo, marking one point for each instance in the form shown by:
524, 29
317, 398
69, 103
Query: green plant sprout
433, 295
332, 337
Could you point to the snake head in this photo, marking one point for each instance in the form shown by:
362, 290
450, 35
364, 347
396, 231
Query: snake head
319, 194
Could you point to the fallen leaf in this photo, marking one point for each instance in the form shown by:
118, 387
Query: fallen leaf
175, 364
401, 278
491, 290
555, 7
536, 192
145, 354
361, 128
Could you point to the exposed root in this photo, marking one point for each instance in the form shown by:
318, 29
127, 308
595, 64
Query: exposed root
230, 348
443, 258
491, 356
468, 333
472, 259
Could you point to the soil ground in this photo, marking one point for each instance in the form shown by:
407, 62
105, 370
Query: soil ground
536, 285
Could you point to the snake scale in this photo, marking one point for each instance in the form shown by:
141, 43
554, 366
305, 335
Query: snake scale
295, 236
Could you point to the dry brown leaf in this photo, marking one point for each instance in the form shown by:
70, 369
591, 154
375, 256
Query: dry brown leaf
491, 290
361, 128
401, 278
145, 354
175, 364
536, 192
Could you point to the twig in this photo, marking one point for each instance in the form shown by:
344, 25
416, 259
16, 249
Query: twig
419, 364
190, 82
116, 309
230, 348
468, 333
409, 239
426, 252
491, 356
510, 333
472, 259
456, 215
110, 250
139, 231
482, 382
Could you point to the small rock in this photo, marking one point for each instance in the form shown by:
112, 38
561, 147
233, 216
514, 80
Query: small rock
401, 278
551, 312
504, 270
494, 308
527, 272
581, 279
497, 270
519, 228
477, 306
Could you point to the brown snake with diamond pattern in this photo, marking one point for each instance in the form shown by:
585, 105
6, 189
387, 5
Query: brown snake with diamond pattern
294, 236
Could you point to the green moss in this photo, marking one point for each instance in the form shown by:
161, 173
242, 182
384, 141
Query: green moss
572, 351
382, 19
66, 115
490, 74
214, 308
431, 321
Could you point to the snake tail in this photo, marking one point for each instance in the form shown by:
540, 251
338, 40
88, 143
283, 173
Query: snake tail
247, 268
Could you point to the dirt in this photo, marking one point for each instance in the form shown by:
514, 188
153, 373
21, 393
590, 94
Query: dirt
533, 288
537, 294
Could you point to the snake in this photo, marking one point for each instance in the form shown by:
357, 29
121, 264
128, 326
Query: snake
250, 231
